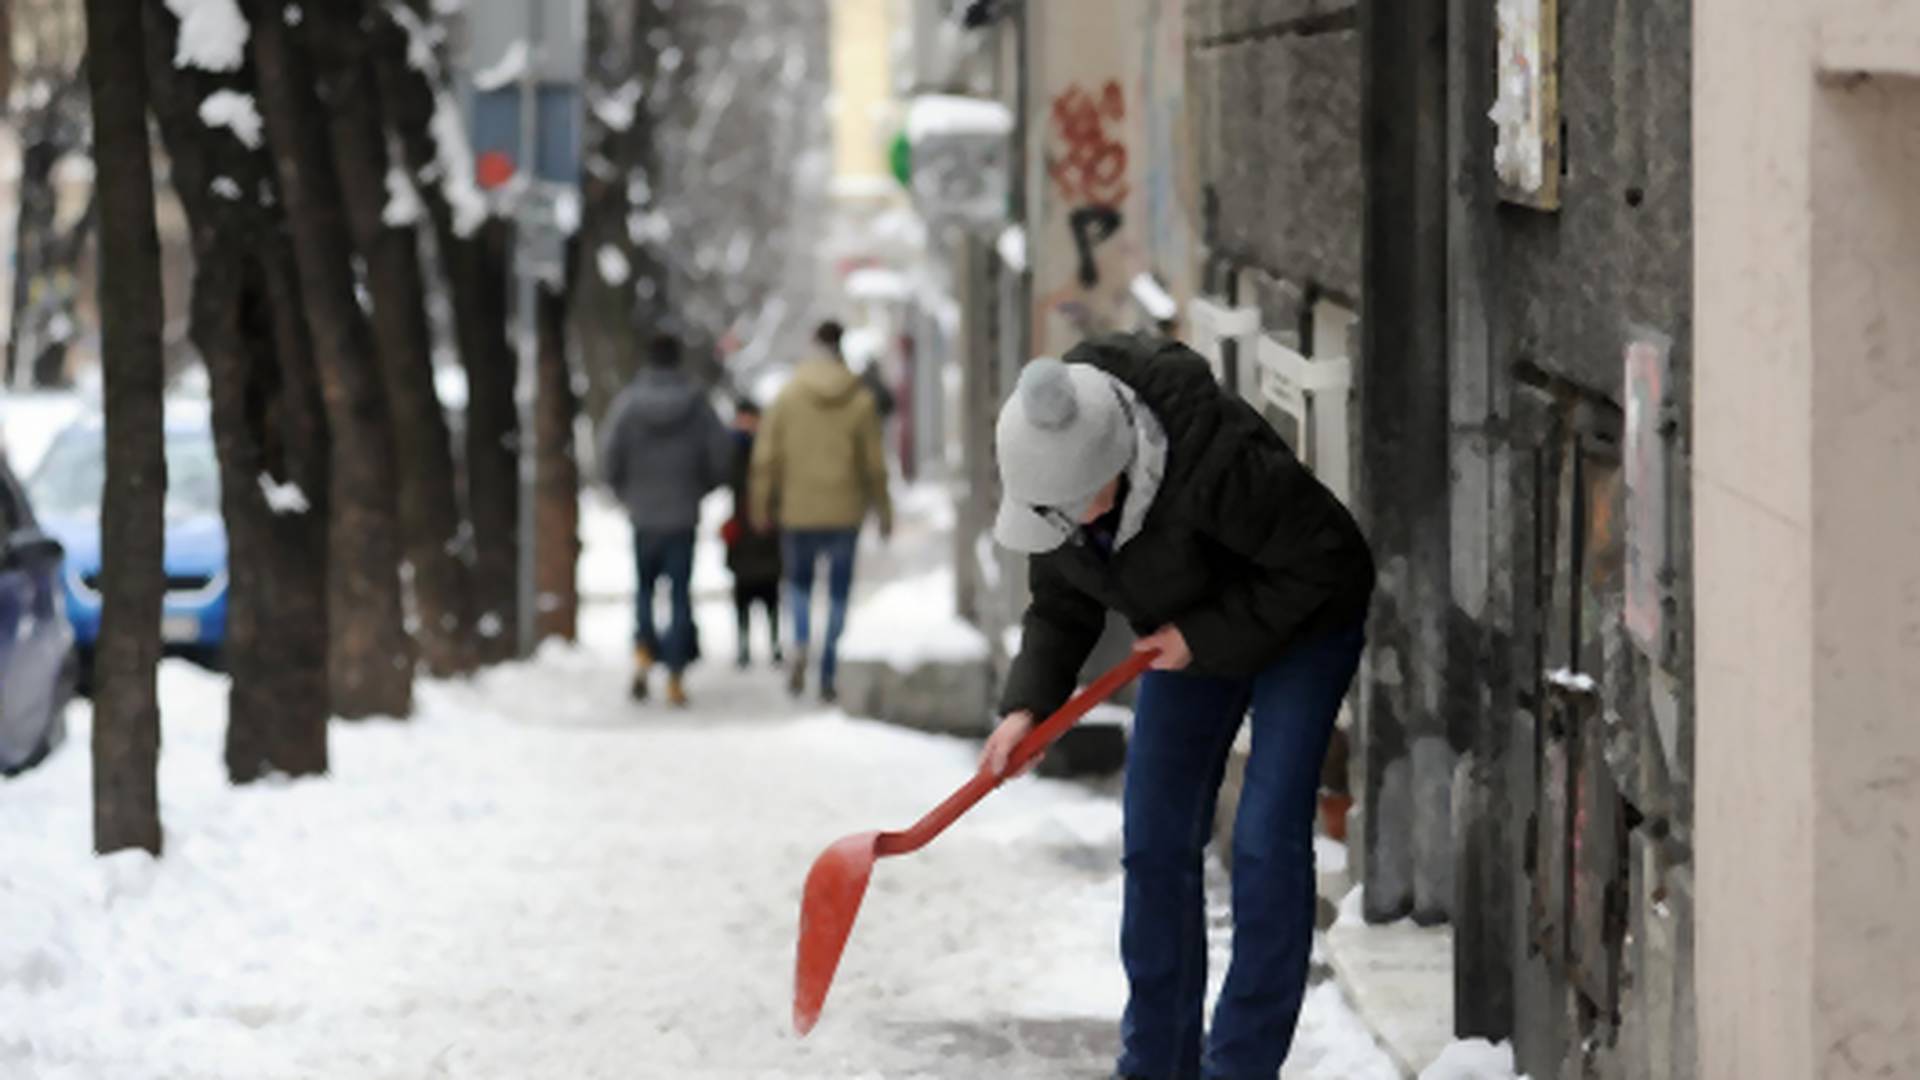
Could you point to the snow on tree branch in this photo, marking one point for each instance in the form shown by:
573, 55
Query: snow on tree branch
614, 268
453, 167
403, 200
283, 499
237, 113
505, 71
423, 40
616, 110
213, 34
454, 159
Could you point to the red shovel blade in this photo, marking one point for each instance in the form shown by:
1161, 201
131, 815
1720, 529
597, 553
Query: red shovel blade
835, 886
838, 880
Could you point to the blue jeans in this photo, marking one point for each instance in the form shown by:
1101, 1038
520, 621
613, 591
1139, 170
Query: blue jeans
802, 549
668, 555
1183, 729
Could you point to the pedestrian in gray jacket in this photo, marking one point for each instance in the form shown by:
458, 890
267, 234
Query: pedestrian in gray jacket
662, 449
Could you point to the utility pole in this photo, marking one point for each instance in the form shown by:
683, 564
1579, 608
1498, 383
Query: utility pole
523, 267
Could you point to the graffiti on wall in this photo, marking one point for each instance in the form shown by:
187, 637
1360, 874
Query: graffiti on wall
1087, 163
1107, 201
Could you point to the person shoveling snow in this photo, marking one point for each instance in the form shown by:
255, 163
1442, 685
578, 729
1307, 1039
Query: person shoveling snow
1138, 485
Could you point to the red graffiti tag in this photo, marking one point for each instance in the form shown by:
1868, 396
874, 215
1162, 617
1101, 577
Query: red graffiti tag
1089, 165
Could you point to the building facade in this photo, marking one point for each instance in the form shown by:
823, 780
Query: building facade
1597, 315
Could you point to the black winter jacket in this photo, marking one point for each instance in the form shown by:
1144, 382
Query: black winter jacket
754, 557
1243, 549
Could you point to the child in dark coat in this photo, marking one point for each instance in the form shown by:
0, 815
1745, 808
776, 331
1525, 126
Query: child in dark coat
753, 557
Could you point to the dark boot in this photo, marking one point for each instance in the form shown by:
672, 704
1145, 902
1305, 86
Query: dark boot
642, 668
797, 673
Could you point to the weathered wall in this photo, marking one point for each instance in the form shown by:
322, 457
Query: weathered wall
1109, 193
1276, 132
1274, 111
1809, 257
1574, 809
1866, 574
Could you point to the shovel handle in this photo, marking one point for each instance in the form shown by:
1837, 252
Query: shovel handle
1029, 748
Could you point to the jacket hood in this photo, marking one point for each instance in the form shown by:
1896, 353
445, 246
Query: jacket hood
827, 380
662, 399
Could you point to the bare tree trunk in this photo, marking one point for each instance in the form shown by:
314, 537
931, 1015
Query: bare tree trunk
429, 507
32, 236
557, 477
493, 461
476, 262
269, 428
370, 655
126, 729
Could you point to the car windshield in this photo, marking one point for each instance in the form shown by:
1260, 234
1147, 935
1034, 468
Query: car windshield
73, 474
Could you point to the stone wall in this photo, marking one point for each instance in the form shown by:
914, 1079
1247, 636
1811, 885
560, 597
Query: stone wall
1523, 760
1574, 803
1274, 116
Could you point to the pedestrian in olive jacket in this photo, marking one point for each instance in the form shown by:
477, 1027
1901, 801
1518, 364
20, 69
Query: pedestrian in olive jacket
819, 468
1138, 485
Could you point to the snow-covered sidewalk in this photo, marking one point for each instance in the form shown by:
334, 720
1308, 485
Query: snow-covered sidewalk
536, 879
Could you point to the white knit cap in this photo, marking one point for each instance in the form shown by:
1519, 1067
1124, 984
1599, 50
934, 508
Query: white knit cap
1063, 436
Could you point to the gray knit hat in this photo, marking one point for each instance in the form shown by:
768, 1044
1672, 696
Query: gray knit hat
1063, 436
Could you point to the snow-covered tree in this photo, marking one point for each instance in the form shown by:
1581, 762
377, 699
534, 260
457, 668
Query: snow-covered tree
705, 179
46, 105
126, 726
381, 209
370, 655
474, 250
270, 429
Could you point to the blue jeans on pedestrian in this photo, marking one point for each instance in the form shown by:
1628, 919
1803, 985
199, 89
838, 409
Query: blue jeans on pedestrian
802, 549
1184, 727
668, 555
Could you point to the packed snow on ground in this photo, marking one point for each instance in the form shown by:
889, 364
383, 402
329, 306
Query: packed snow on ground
213, 34
912, 622
536, 879
878, 284
606, 568
1329, 855
1472, 1059
930, 502
1352, 908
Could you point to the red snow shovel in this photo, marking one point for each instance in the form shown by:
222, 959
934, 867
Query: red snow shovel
838, 880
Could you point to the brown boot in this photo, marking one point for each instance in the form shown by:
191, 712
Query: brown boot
642, 668
797, 673
676, 692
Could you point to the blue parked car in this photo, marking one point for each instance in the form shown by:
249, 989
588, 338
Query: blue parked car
67, 487
37, 671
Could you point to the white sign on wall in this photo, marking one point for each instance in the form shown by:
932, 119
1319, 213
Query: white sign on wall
960, 153
1526, 108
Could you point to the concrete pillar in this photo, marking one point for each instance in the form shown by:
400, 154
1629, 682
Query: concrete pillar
1807, 533
1409, 760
